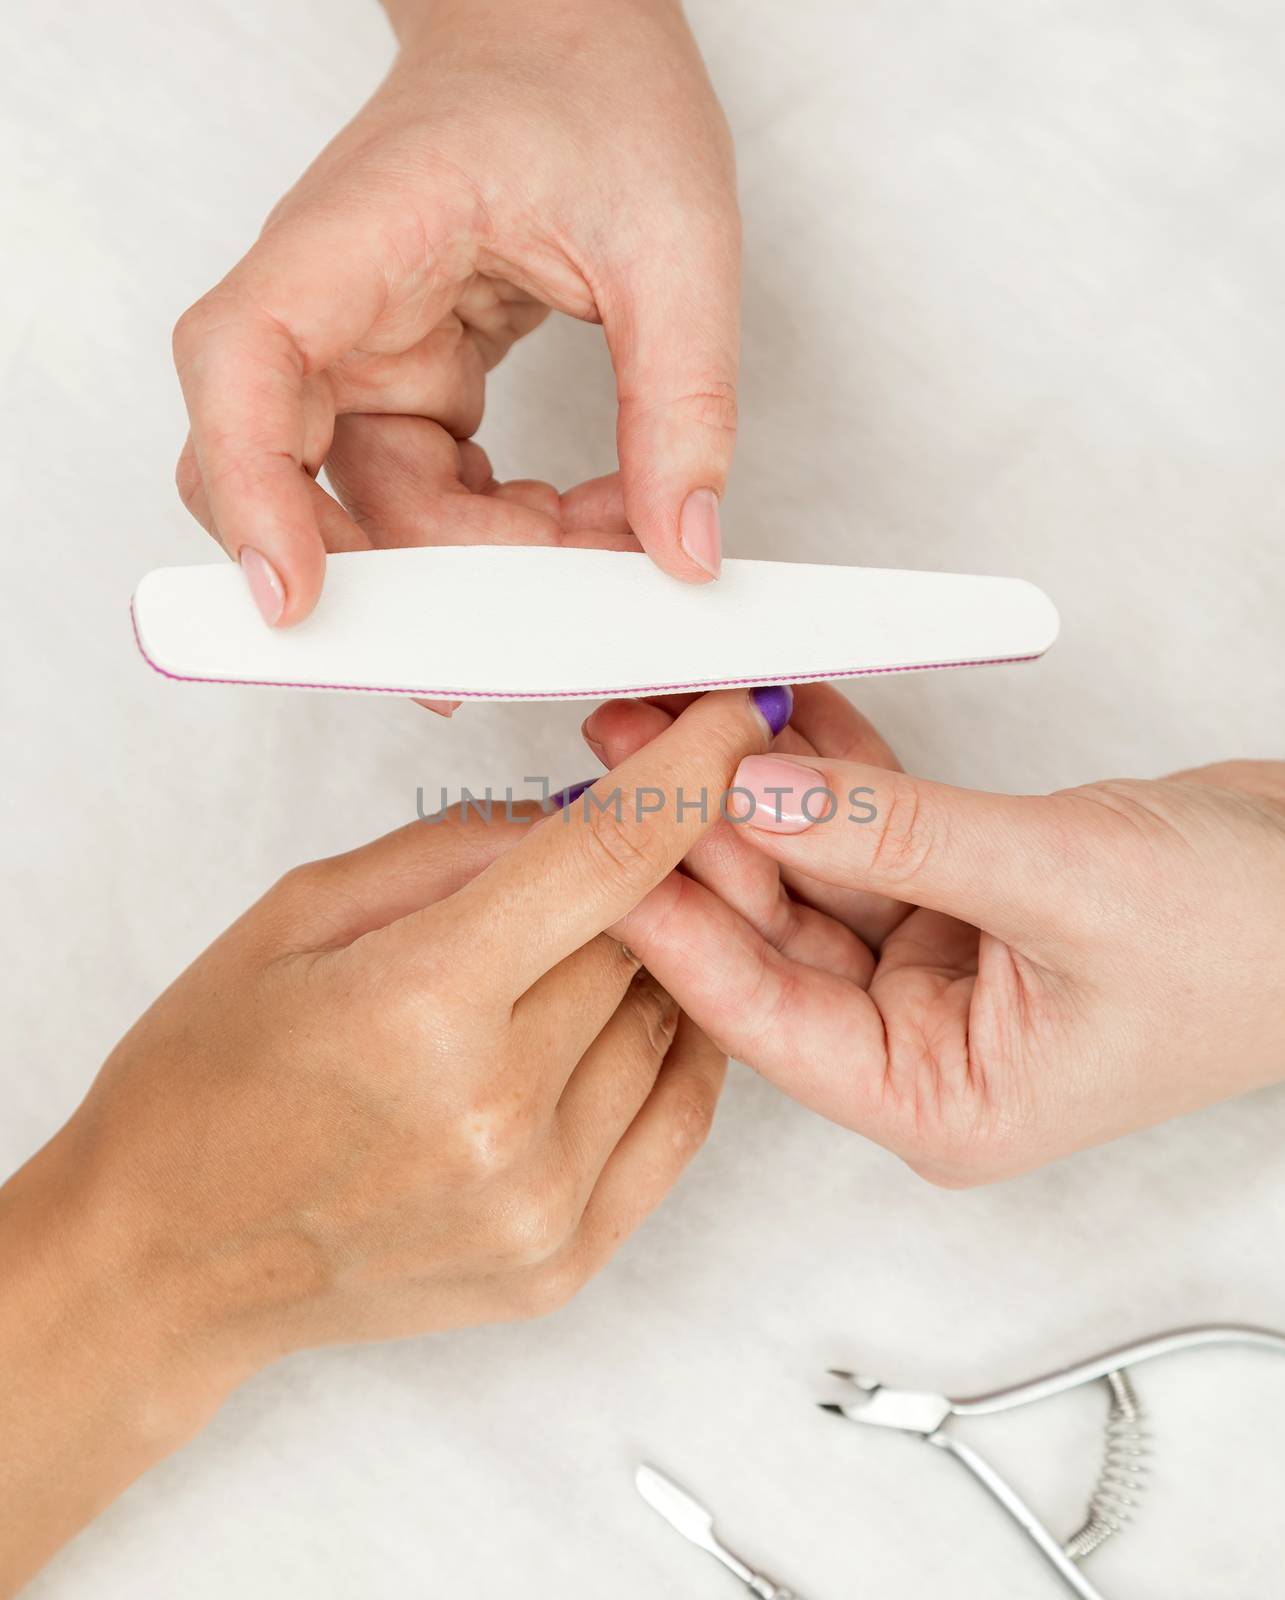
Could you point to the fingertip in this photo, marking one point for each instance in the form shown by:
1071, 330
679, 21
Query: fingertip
596, 506
675, 348
604, 719
534, 494
775, 704
592, 727
673, 558
302, 591
618, 728
269, 524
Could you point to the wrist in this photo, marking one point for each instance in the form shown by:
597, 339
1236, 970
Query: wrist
99, 1382
415, 21
77, 1297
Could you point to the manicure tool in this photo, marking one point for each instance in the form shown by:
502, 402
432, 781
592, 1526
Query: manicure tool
527, 623
1122, 1474
692, 1520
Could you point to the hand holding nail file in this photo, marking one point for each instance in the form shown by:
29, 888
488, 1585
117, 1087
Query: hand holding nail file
514, 623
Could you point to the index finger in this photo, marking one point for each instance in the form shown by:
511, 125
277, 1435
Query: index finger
583, 869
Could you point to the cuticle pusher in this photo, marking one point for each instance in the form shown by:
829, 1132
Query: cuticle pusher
696, 1524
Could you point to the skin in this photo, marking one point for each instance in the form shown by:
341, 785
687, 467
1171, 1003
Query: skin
415, 1087
567, 156
982, 983
428, 1084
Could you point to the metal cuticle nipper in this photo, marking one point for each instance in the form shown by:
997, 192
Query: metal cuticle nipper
1122, 1474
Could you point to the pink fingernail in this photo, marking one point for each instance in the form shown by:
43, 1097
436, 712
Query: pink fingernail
699, 531
779, 796
265, 585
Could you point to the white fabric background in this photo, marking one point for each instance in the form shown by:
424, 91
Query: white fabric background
1013, 303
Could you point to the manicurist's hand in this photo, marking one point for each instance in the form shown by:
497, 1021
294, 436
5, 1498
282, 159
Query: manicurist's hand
415, 1087
980, 982
567, 155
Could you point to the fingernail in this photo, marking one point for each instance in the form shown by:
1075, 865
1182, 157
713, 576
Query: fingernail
599, 750
779, 796
774, 705
699, 532
265, 585
443, 708
570, 794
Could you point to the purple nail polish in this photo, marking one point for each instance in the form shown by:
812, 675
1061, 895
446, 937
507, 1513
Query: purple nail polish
570, 794
774, 705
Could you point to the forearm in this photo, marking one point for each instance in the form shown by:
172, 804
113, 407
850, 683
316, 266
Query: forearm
96, 1384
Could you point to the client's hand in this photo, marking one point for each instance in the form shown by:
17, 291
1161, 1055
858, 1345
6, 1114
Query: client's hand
980, 982
414, 1087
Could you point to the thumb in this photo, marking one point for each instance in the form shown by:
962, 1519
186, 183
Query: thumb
999, 862
674, 335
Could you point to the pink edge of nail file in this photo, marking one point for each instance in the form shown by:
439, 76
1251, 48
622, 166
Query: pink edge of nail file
487, 622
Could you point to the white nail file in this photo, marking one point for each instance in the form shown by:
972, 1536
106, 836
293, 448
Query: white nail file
520, 623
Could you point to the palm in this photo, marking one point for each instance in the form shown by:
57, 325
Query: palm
922, 1006
400, 478
406, 481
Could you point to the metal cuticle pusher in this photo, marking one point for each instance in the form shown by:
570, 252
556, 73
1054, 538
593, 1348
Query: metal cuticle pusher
696, 1524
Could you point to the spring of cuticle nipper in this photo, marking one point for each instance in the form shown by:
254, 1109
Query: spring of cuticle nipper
1122, 1478
1122, 1473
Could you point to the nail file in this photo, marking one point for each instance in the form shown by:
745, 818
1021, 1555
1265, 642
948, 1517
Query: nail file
520, 623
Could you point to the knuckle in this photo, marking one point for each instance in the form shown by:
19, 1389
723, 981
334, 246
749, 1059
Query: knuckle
621, 957
229, 313
320, 889
551, 1288
488, 1140
965, 1167
187, 478
279, 914
615, 846
691, 1114
908, 837
287, 914
961, 1118
534, 1227
1127, 809
185, 333
711, 404
192, 328
1114, 844
723, 747
657, 1015
970, 1155
299, 886
1263, 778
